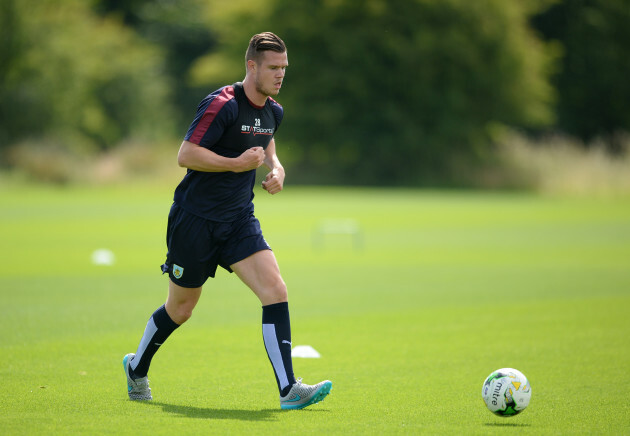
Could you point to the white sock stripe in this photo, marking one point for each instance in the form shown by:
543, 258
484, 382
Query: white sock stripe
273, 350
149, 332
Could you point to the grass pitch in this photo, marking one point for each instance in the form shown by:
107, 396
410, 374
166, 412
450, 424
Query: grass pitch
411, 297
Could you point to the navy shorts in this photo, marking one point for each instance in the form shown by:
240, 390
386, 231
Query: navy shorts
196, 246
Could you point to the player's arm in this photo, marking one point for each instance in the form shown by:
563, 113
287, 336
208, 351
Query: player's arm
195, 157
274, 181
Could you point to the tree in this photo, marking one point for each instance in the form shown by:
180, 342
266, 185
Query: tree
178, 27
593, 81
388, 92
79, 78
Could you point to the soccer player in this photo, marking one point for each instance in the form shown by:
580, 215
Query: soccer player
211, 222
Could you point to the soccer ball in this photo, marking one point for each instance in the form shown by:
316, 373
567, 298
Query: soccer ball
506, 392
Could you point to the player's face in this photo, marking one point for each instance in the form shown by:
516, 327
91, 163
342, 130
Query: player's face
270, 73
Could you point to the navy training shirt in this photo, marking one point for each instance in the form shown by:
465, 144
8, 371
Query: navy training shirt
226, 123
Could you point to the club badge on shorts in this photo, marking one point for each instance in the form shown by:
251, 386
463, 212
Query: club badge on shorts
178, 271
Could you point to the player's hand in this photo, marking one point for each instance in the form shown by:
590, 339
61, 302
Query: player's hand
274, 182
251, 159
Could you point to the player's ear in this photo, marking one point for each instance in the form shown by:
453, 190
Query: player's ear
251, 65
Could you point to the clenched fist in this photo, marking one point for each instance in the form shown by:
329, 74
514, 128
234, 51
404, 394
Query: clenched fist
251, 159
274, 181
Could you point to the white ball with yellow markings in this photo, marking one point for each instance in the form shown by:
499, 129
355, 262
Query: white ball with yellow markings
506, 392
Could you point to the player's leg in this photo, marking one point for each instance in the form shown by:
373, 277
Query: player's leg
181, 302
260, 272
168, 317
187, 248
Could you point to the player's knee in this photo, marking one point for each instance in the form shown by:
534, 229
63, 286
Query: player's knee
181, 314
279, 289
185, 315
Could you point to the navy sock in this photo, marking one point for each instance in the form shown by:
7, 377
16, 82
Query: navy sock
277, 338
159, 327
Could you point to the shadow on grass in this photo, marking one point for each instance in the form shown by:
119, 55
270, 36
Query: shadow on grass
207, 413
506, 424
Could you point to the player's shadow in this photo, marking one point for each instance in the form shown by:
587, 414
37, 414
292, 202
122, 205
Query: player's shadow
208, 413
235, 414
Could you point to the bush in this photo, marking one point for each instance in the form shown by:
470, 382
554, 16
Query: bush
131, 161
562, 165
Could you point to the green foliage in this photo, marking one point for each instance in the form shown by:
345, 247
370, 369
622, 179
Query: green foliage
69, 74
389, 91
377, 92
593, 81
234, 23
180, 29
